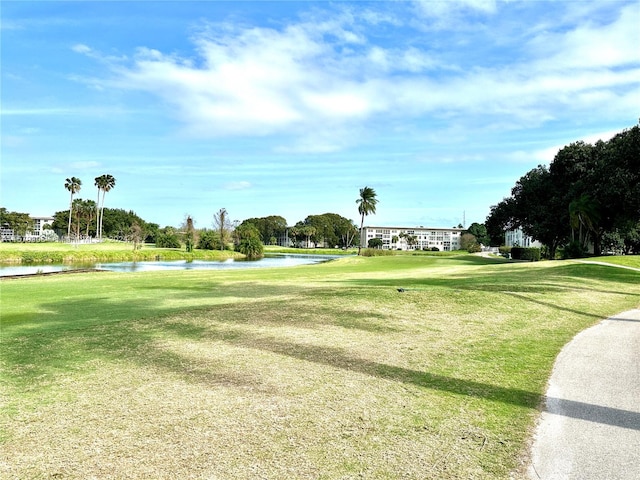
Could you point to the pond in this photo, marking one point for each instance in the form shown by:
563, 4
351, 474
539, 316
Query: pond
271, 261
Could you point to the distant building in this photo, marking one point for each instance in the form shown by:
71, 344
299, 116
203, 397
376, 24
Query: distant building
413, 238
517, 238
34, 234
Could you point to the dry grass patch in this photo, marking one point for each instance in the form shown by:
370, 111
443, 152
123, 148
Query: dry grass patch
313, 372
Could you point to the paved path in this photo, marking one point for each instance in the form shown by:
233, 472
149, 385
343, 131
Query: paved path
590, 428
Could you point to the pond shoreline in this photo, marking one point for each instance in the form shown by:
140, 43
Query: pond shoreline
268, 261
46, 274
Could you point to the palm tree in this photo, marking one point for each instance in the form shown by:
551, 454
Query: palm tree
89, 208
366, 205
583, 211
72, 184
104, 183
99, 182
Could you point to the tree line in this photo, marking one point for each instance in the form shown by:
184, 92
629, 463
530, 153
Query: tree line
587, 199
86, 208
86, 218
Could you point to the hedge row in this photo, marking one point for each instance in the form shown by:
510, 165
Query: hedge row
521, 253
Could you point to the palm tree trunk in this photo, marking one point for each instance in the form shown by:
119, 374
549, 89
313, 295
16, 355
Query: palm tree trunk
361, 226
104, 193
70, 213
98, 215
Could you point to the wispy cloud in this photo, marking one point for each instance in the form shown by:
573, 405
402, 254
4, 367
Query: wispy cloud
257, 81
241, 185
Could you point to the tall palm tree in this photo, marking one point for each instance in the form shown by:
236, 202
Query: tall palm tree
99, 182
104, 183
366, 205
72, 184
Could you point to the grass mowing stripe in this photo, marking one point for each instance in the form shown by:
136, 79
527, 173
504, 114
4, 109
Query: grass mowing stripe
323, 371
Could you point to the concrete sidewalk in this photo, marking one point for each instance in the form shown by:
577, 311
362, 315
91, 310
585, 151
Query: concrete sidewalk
590, 427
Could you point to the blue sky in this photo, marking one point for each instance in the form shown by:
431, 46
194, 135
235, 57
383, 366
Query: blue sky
289, 108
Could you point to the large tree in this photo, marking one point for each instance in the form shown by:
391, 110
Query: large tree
20, 223
247, 241
479, 231
366, 205
273, 226
73, 185
587, 194
105, 183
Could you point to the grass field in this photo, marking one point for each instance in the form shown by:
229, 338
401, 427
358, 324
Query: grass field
38, 253
323, 372
30, 253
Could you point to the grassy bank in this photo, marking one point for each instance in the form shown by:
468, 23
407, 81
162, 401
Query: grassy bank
324, 371
37, 253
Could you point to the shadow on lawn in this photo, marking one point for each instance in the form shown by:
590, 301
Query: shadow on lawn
134, 330
141, 338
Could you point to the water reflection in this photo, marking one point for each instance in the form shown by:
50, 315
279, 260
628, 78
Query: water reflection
271, 261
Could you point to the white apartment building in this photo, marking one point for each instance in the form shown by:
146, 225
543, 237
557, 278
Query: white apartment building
413, 238
517, 238
33, 234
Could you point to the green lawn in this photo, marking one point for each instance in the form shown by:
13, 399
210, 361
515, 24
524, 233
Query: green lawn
323, 371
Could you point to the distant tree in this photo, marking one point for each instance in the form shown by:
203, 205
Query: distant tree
499, 220
189, 234
151, 230
294, 235
374, 243
167, 240
105, 183
366, 205
273, 226
468, 241
330, 229
223, 226
20, 223
85, 210
308, 231
73, 185
116, 222
479, 231
48, 235
208, 240
136, 234
247, 241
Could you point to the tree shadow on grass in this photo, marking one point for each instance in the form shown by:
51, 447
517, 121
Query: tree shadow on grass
142, 341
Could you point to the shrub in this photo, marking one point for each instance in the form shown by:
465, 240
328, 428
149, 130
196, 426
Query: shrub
167, 240
376, 252
251, 247
374, 243
574, 250
521, 253
474, 248
209, 240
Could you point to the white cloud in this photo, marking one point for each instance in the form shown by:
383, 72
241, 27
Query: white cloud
304, 77
432, 8
84, 165
591, 45
242, 185
81, 48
